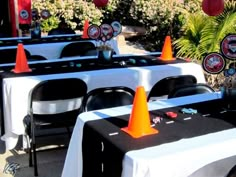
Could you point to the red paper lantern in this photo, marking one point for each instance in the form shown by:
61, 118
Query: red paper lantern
100, 3
213, 7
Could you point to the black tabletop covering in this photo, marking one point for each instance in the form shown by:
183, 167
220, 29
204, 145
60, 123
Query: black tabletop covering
101, 149
74, 65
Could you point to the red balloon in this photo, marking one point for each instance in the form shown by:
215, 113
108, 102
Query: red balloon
213, 7
100, 3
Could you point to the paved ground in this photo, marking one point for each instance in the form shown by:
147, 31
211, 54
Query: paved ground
50, 162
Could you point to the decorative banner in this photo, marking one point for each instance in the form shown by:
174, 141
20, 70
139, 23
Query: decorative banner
228, 46
214, 63
106, 32
94, 31
117, 28
24, 11
213, 7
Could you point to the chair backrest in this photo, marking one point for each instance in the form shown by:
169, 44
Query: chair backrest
191, 89
77, 49
232, 172
107, 97
57, 96
36, 58
166, 85
9, 55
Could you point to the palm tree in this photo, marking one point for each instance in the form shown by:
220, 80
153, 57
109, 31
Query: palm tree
203, 34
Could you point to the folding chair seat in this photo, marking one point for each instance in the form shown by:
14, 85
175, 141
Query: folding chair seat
77, 49
52, 104
9, 55
163, 87
36, 58
107, 97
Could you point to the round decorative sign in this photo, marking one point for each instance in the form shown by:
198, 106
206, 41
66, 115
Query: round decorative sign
231, 71
117, 28
94, 31
24, 14
214, 63
228, 46
106, 32
45, 14
35, 13
226, 74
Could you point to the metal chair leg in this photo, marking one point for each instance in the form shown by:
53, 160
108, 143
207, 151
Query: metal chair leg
35, 160
30, 155
68, 131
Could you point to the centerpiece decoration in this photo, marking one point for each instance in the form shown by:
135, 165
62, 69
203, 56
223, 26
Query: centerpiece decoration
214, 63
36, 22
103, 34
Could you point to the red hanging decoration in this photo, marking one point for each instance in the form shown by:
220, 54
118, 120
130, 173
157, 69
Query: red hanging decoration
100, 3
24, 11
213, 7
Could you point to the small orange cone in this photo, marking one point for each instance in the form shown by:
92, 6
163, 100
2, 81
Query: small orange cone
166, 53
139, 121
85, 31
21, 60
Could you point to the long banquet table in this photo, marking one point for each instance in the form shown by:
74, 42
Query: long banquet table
16, 87
183, 145
49, 47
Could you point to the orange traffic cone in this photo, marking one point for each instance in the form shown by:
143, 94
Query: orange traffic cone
139, 121
21, 60
85, 31
166, 53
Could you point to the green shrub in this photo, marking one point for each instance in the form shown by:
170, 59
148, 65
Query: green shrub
73, 11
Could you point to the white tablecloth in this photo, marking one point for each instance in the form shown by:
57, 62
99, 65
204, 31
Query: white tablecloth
175, 159
16, 90
53, 50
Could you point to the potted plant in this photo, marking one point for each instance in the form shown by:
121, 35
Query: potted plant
105, 53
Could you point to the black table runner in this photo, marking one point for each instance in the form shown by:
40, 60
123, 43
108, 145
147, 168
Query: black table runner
103, 154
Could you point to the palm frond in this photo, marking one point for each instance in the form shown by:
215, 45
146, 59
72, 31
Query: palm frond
203, 33
189, 44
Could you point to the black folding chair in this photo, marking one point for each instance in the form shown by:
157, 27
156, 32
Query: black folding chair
52, 104
166, 85
77, 49
232, 172
191, 89
9, 55
107, 97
